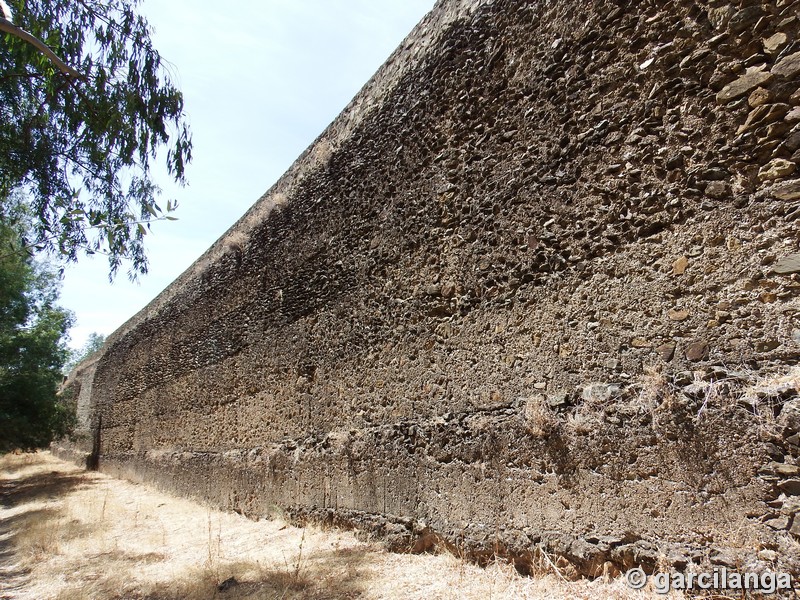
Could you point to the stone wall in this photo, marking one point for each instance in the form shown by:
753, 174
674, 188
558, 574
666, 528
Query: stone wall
535, 288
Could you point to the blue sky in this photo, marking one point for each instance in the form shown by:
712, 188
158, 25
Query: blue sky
260, 82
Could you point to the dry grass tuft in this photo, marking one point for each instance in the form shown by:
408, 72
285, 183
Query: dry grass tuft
540, 419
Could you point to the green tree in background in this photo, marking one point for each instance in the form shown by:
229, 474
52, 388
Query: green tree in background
86, 105
93, 343
32, 349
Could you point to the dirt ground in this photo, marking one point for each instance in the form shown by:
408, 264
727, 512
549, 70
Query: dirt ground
70, 534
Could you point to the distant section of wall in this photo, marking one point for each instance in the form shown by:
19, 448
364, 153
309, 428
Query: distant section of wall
82, 447
535, 288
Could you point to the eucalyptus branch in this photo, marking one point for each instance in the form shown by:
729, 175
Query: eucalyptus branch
8, 27
96, 125
110, 23
28, 248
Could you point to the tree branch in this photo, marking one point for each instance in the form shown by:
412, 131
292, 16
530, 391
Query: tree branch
28, 247
8, 27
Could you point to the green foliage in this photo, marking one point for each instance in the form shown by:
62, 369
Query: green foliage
81, 148
32, 349
93, 343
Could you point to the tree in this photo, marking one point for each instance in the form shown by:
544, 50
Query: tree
32, 349
79, 142
93, 343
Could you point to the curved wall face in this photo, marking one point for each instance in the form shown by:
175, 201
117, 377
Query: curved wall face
531, 288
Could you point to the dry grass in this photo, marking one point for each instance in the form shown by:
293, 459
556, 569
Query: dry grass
69, 534
762, 395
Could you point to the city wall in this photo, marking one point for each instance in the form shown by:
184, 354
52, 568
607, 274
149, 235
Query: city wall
534, 289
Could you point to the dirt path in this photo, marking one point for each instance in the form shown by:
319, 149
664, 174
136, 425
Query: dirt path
70, 534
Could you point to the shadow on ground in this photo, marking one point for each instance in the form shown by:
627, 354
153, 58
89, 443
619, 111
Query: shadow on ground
39, 487
329, 575
15, 493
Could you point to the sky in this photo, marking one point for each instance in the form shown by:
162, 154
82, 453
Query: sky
260, 83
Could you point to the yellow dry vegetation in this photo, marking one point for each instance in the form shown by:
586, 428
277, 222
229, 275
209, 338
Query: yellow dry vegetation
68, 534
